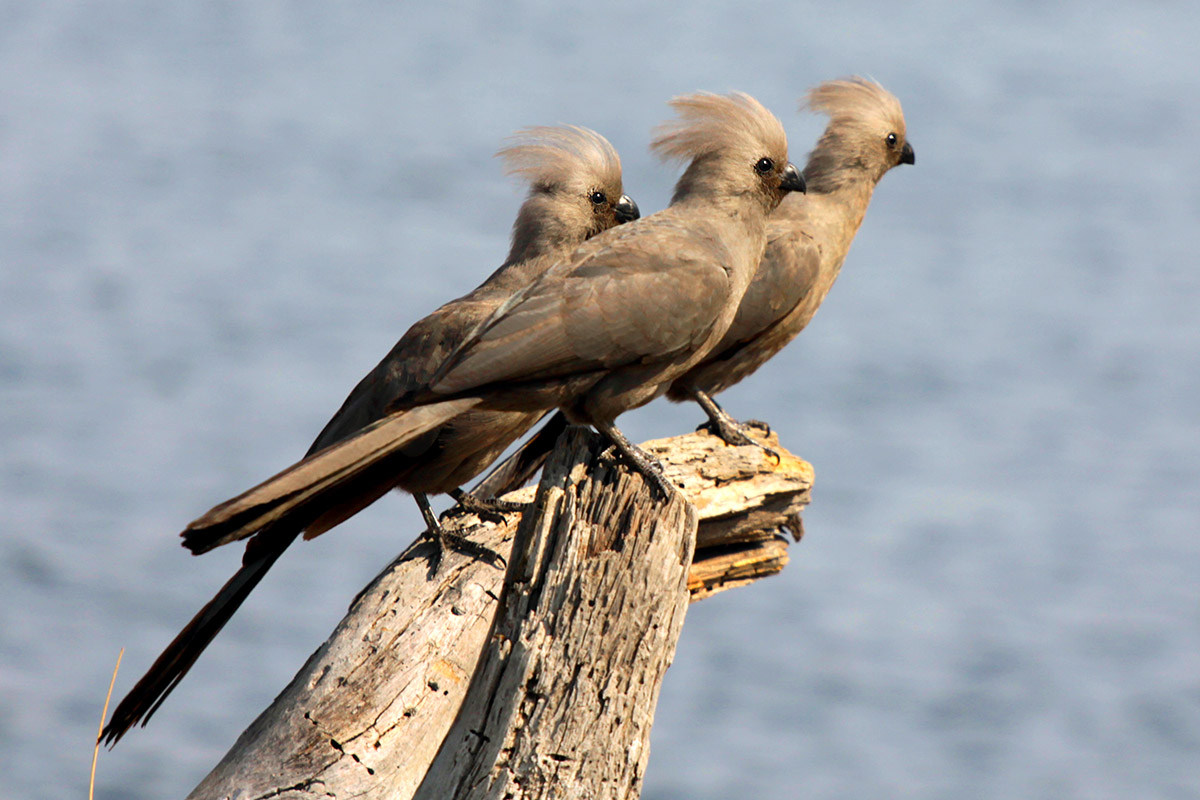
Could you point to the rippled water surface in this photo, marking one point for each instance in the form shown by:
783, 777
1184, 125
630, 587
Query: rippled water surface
214, 218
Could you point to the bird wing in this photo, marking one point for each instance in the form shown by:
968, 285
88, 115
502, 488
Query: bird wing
424, 348
627, 299
405, 370
787, 273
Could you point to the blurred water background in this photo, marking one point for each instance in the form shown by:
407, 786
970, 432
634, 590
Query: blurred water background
215, 217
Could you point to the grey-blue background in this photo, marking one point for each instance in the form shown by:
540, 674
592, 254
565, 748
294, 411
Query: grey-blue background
215, 217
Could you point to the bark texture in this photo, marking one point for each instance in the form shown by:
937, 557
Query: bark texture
535, 681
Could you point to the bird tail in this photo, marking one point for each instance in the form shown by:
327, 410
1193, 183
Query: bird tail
297, 495
179, 656
516, 470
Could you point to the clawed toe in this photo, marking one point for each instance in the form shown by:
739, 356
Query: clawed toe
643, 463
443, 540
726, 432
730, 432
489, 510
758, 423
660, 483
485, 514
652, 470
734, 434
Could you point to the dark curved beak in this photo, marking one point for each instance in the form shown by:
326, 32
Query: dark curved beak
792, 180
626, 210
907, 156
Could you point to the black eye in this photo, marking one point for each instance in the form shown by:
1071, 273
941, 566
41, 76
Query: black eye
891, 140
764, 166
597, 198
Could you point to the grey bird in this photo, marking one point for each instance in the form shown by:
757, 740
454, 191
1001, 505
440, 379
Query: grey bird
604, 330
808, 238
575, 192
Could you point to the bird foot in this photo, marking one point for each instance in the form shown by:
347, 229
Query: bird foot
734, 434
444, 540
655, 476
650, 468
488, 510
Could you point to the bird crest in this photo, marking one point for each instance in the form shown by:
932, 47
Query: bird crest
561, 155
857, 101
707, 123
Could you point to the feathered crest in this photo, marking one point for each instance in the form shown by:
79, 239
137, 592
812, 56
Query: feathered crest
561, 154
857, 101
707, 123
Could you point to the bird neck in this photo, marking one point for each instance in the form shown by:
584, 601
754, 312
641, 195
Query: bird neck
837, 164
848, 191
542, 228
833, 218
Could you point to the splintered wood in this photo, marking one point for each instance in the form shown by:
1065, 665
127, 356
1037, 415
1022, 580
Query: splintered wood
539, 680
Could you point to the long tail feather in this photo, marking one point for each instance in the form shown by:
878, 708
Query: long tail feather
296, 492
179, 656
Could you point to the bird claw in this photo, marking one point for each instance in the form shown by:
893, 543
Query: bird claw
659, 481
488, 510
444, 540
758, 423
646, 465
729, 432
734, 434
652, 470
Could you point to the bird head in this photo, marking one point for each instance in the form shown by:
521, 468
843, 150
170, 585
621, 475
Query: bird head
735, 147
575, 187
865, 137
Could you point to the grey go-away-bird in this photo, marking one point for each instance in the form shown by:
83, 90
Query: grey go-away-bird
808, 239
575, 192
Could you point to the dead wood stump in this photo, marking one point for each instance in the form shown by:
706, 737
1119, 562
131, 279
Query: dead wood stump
538, 681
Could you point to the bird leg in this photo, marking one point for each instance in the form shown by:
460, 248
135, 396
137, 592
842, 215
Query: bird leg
729, 429
649, 467
445, 540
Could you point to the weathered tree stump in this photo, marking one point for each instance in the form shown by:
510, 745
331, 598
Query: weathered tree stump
535, 681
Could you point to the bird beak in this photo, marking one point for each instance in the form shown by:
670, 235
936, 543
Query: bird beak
792, 180
626, 210
907, 156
